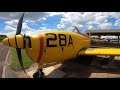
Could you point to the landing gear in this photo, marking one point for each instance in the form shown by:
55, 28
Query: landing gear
110, 64
38, 74
109, 60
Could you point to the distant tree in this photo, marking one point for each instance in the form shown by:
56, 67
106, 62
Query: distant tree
2, 37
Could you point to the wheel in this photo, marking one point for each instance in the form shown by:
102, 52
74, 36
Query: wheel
38, 74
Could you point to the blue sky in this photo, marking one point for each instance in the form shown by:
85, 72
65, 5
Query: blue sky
36, 22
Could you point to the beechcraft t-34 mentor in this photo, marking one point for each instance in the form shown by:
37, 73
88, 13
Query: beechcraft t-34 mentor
50, 48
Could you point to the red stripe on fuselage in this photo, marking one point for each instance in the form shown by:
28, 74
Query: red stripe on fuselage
41, 48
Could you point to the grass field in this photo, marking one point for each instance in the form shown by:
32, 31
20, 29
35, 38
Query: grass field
15, 63
0, 43
116, 77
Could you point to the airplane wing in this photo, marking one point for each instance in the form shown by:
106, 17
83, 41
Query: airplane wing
100, 51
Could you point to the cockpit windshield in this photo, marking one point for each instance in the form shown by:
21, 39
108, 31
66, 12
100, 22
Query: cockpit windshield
76, 30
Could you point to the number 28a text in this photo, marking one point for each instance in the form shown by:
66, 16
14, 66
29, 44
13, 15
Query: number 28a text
61, 38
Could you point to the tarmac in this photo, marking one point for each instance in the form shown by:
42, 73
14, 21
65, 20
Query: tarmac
79, 69
5, 60
68, 69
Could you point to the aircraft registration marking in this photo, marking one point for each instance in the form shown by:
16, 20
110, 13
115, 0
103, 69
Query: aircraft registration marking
61, 37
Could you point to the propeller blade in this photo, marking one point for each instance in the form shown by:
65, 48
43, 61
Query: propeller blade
19, 26
20, 59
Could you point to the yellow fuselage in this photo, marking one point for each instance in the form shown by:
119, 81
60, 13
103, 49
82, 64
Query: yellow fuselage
55, 47
48, 48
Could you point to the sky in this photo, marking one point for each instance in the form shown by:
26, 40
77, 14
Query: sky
37, 22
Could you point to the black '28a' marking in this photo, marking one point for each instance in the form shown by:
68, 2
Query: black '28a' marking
62, 40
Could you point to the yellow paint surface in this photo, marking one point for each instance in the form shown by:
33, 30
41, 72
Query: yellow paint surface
100, 51
57, 54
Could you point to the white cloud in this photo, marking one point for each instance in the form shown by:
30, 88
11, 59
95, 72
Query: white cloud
1, 33
105, 25
100, 19
51, 14
15, 23
90, 27
117, 23
9, 28
36, 16
60, 26
44, 18
42, 29
25, 26
79, 19
30, 32
75, 18
27, 21
12, 22
30, 16
81, 16
115, 15
79, 26
10, 15
13, 30
69, 18
88, 18
12, 33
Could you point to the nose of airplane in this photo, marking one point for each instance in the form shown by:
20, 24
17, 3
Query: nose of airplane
5, 41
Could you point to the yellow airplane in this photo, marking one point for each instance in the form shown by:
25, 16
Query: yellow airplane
50, 48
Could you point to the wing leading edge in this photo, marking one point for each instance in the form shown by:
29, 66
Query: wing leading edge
100, 51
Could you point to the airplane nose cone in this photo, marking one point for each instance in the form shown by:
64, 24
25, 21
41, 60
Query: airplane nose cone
5, 41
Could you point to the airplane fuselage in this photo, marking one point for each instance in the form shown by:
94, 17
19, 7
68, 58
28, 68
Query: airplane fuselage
49, 48
55, 47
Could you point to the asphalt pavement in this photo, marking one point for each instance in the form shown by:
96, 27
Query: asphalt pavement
5, 71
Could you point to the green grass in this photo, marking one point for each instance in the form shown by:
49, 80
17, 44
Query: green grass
0, 43
116, 77
15, 63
